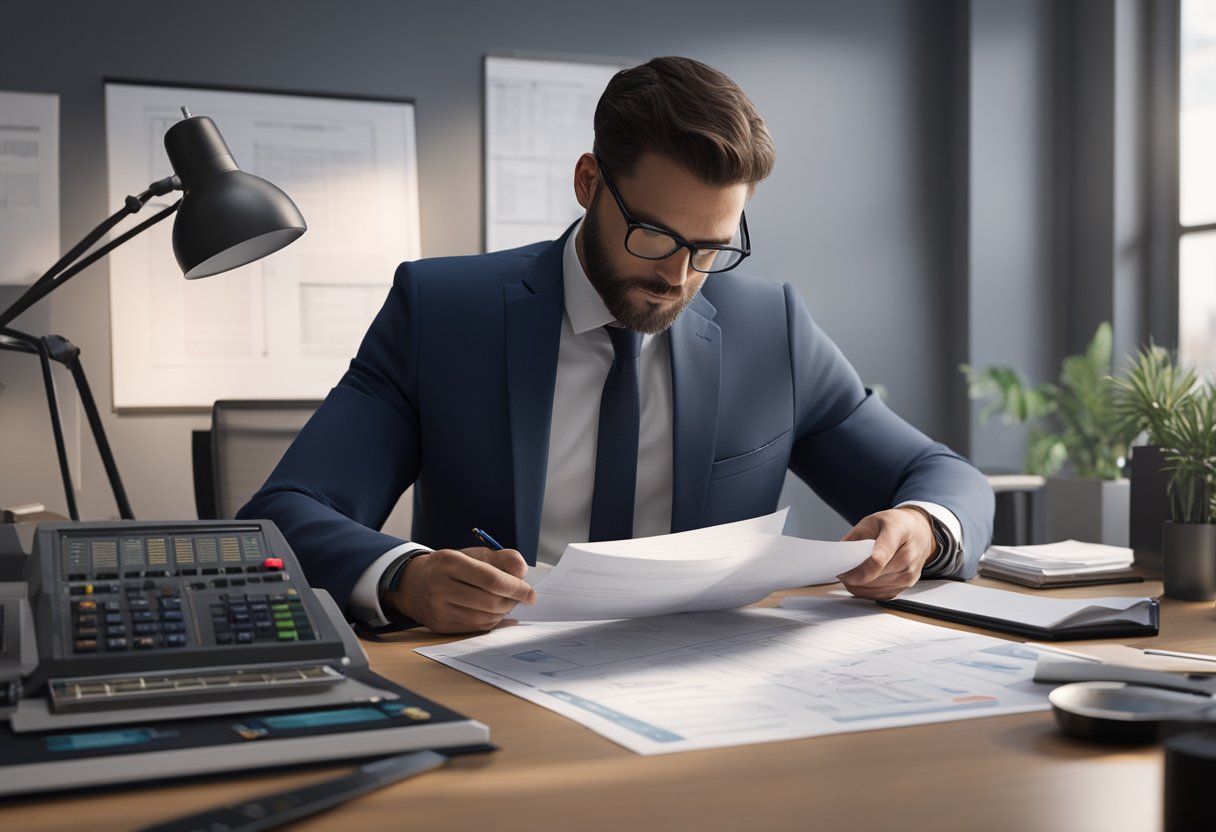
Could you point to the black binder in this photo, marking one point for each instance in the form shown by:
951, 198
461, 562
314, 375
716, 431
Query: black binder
1142, 619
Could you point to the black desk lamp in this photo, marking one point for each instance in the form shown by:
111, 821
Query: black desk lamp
225, 218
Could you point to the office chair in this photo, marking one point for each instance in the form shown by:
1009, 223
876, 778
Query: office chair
246, 441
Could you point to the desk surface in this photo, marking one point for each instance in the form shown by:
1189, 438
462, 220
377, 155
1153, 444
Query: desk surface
999, 773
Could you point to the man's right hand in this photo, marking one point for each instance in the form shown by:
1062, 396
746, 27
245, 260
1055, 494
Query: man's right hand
462, 590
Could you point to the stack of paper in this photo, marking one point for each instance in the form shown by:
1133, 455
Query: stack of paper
1067, 563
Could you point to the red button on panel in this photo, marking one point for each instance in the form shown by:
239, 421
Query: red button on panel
272, 563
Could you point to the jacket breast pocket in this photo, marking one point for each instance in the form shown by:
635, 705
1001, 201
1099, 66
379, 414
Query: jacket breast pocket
777, 449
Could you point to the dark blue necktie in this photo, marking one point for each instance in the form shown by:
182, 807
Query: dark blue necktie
616, 451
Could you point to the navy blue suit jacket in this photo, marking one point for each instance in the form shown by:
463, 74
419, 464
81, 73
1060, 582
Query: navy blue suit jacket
452, 391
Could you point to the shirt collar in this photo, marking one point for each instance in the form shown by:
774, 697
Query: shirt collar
584, 306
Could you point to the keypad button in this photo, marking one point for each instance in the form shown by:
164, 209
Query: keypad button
119, 630
143, 615
175, 640
146, 628
86, 632
171, 615
173, 627
116, 644
85, 645
223, 638
244, 638
145, 642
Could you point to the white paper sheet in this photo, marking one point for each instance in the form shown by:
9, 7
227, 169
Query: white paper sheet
712, 679
29, 185
721, 567
1066, 557
285, 326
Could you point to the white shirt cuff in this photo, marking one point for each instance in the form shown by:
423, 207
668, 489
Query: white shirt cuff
366, 594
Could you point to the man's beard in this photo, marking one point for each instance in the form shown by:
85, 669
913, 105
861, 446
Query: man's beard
651, 318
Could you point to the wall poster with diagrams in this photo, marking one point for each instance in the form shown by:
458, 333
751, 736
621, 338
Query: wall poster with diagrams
285, 326
537, 123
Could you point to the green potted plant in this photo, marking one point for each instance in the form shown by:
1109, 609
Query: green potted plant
1188, 543
1146, 396
1075, 429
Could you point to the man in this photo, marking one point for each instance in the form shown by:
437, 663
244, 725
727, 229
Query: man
622, 381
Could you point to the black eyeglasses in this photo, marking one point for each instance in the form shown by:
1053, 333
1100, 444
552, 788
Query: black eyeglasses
653, 243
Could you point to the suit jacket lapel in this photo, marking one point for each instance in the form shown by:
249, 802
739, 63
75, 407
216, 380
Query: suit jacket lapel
533, 310
696, 373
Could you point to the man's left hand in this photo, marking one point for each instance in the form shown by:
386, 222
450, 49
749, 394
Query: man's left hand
903, 543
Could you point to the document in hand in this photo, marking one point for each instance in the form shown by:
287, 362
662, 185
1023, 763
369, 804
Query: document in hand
721, 567
1048, 619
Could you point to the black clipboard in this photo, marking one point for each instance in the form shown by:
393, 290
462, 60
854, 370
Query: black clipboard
1114, 628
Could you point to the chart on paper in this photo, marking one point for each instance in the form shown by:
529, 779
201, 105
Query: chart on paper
712, 679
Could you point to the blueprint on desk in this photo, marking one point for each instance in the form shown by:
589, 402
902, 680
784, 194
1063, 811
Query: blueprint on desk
732, 677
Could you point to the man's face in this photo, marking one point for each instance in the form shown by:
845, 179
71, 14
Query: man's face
648, 295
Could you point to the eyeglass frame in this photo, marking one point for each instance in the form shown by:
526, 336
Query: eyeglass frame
632, 225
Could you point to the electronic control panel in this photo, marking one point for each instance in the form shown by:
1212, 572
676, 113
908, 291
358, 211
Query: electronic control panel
114, 598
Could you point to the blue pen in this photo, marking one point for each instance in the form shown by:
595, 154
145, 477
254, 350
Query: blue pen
487, 540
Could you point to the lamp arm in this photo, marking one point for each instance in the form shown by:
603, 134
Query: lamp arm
59, 273
22, 342
64, 276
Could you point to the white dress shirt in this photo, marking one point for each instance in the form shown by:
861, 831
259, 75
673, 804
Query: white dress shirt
584, 356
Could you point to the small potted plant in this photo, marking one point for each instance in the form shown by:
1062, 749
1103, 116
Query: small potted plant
1188, 544
1075, 428
1146, 396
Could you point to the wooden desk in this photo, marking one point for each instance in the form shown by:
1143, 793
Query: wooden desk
999, 773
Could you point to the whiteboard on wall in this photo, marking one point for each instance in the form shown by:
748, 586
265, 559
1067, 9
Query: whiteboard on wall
285, 326
538, 116
29, 185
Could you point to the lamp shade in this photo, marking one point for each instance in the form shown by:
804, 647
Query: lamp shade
227, 217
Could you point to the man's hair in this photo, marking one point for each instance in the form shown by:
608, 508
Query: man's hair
689, 112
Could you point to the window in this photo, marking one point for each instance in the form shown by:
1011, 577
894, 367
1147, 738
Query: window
1197, 187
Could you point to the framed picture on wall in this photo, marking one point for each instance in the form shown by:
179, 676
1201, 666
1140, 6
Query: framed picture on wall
286, 326
538, 114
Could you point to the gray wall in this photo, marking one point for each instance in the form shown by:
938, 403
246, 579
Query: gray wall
908, 202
